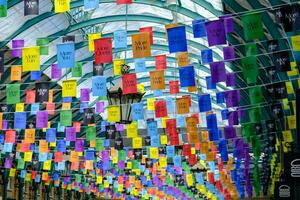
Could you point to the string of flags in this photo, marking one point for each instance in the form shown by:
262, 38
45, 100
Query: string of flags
71, 137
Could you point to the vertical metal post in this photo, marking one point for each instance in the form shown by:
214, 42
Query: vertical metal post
5, 183
21, 188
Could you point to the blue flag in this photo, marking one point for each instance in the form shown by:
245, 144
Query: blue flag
221, 97
140, 65
91, 4
120, 39
20, 120
204, 103
199, 28
207, 56
50, 134
99, 86
187, 76
177, 39
66, 55
137, 111
209, 84
152, 128
35, 75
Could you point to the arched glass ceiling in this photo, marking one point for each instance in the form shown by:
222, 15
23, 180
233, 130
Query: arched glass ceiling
108, 18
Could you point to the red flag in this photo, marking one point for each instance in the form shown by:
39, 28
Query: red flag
148, 30
10, 136
174, 87
174, 140
160, 62
129, 84
186, 150
30, 96
124, 2
103, 50
171, 126
160, 108
192, 159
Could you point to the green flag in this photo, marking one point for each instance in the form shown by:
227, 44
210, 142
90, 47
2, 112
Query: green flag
66, 118
90, 133
12, 93
250, 70
77, 70
251, 49
3, 10
121, 155
21, 163
43, 44
99, 144
256, 95
254, 114
253, 27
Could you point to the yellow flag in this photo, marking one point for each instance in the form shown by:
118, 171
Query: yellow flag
12, 172
287, 136
113, 113
294, 70
61, 6
150, 103
31, 59
164, 122
141, 88
29, 135
296, 42
132, 130
162, 162
137, 142
1, 117
69, 88
99, 179
189, 179
153, 152
47, 165
91, 38
118, 66
163, 139
19, 107
292, 121
28, 156
289, 87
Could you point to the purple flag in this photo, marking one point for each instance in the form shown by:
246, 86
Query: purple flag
120, 127
233, 118
79, 145
229, 24
8, 163
215, 32
239, 145
4, 124
85, 94
17, 46
42, 119
71, 134
218, 72
232, 98
229, 132
99, 107
228, 53
230, 79
55, 72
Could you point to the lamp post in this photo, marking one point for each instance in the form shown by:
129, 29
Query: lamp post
116, 97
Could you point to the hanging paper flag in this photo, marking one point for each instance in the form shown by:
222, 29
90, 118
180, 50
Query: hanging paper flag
69, 88
50, 134
228, 53
19, 120
68, 38
66, 55
17, 46
157, 80
77, 70
15, 73
30, 96
177, 39
124, 2
113, 113
137, 111
251, 49
70, 134
273, 45
161, 62
199, 28
250, 70
204, 103
91, 4
31, 7
91, 38
61, 6
65, 118
218, 72
12, 93
174, 87
85, 94
229, 24
3, 8
35, 75
209, 84
296, 42
99, 86
118, 66
282, 61
140, 65
148, 30
160, 109
88, 116
98, 69
256, 95
183, 59
120, 39
232, 98
141, 45
220, 97
215, 32
10, 136
187, 76
103, 50
42, 119
41, 92
43, 44
129, 84
31, 59
182, 105
206, 56
252, 25
230, 79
